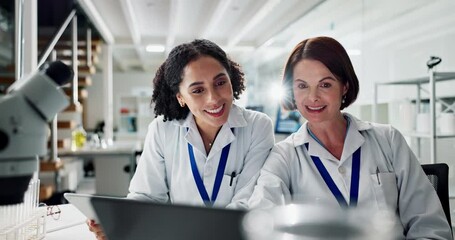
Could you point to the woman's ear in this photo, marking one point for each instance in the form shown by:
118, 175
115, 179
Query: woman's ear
180, 100
345, 88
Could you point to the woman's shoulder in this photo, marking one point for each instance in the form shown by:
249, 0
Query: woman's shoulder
288, 144
385, 133
284, 151
377, 128
159, 123
385, 130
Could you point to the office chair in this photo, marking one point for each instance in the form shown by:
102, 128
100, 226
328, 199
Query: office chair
438, 174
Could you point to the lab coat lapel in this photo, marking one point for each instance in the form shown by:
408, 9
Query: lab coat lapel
353, 139
314, 148
226, 135
192, 135
352, 142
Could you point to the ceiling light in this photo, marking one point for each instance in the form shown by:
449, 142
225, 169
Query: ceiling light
155, 48
269, 42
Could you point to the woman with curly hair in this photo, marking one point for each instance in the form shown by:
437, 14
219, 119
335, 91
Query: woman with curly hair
202, 149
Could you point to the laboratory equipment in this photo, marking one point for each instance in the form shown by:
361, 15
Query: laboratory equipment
25, 110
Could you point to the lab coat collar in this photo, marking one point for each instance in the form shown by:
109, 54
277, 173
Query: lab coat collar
353, 141
224, 137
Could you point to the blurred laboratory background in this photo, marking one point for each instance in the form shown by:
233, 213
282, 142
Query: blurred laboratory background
117, 45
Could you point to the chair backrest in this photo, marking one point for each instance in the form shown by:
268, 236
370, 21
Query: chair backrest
438, 174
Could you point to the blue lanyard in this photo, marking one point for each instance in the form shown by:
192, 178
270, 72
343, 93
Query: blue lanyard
355, 179
218, 178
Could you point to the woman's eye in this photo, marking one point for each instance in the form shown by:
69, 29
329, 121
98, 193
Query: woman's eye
301, 85
220, 83
326, 85
197, 91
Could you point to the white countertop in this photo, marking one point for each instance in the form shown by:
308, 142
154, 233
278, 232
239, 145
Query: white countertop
70, 225
116, 148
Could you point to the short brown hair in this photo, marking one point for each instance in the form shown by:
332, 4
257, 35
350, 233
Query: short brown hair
332, 54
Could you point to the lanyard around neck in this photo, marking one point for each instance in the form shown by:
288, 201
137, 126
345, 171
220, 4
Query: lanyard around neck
218, 178
355, 180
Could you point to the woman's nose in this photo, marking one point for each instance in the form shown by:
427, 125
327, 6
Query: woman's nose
313, 95
212, 96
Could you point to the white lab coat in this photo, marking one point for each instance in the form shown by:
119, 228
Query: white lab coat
289, 175
164, 171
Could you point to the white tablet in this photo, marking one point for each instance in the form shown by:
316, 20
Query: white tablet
83, 203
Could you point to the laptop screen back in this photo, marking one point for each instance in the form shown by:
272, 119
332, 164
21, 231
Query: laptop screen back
132, 219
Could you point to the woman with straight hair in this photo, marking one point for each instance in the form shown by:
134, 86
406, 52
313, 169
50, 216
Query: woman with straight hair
339, 160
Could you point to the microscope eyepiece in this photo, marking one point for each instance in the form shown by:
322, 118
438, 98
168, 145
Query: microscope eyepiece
59, 72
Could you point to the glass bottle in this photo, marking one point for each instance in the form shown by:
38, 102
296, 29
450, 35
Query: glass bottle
79, 138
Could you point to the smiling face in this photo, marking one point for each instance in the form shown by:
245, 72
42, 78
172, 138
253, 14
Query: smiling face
317, 92
207, 91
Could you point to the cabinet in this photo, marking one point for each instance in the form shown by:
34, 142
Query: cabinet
429, 82
134, 115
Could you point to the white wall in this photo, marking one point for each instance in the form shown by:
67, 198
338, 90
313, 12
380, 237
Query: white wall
124, 84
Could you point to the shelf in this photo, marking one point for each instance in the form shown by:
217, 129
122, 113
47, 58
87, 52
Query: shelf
427, 135
134, 114
446, 136
439, 77
432, 78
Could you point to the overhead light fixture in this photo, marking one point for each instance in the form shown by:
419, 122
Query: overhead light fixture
269, 42
156, 48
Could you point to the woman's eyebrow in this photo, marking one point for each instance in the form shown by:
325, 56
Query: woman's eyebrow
199, 83
219, 75
324, 78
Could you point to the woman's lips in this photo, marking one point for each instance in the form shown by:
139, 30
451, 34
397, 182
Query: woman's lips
216, 112
315, 109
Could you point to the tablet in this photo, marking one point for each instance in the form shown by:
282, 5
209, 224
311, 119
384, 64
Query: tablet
83, 203
123, 218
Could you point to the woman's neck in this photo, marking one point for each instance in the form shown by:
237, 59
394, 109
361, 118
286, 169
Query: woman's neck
331, 134
208, 135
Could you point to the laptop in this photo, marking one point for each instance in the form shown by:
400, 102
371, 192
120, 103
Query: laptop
83, 203
132, 219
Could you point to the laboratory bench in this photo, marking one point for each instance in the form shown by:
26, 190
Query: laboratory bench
114, 165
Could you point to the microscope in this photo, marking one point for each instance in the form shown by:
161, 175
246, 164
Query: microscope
25, 111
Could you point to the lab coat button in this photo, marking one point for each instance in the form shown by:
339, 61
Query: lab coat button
342, 170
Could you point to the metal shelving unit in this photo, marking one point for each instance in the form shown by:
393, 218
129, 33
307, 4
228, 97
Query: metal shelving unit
432, 78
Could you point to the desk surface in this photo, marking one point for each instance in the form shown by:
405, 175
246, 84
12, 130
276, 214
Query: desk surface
70, 226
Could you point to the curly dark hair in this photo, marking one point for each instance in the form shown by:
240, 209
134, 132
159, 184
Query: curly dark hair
333, 55
170, 75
